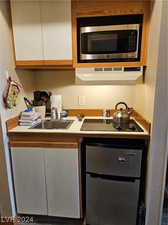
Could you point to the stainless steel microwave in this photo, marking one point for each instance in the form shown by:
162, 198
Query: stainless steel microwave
108, 43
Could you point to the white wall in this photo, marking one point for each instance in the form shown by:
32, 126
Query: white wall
144, 93
26, 80
97, 97
158, 149
151, 102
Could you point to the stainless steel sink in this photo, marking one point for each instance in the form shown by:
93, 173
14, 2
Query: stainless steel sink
53, 124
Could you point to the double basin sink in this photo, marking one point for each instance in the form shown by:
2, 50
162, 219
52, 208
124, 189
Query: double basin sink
53, 124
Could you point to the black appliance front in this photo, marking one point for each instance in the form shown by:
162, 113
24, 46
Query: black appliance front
106, 160
112, 184
104, 39
111, 202
109, 125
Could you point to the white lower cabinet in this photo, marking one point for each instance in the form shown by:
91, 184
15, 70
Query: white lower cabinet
46, 181
29, 180
62, 178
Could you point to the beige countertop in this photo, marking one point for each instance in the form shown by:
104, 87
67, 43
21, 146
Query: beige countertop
75, 129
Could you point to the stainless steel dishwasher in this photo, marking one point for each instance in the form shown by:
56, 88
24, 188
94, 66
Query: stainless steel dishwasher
112, 184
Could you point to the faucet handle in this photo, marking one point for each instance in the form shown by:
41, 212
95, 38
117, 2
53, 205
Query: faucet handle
130, 111
53, 108
80, 116
54, 113
106, 112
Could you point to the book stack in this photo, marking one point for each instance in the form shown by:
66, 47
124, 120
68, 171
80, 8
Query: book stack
29, 118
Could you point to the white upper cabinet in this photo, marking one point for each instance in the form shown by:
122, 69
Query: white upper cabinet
26, 21
42, 30
56, 26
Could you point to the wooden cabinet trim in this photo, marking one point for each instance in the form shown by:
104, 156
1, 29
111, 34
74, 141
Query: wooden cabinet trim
146, 124
58, 64
83, 8
12, 123
20, 139
44, 64
43, 144
109, 64
28, 63
85, 112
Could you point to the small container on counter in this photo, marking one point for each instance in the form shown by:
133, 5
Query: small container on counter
106, 112
64, 113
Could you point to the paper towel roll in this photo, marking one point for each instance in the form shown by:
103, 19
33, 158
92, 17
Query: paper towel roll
56, 101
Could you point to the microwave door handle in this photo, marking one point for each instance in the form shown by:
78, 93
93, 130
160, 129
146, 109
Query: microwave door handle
137, 47
109, 28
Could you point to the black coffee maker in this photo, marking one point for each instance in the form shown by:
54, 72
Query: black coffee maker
42, 98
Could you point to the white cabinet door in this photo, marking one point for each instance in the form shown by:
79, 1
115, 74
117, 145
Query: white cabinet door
56, 26
29, 180
27, 30
62, 178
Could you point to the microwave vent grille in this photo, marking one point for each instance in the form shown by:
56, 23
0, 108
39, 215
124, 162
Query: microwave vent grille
98, 69
109, 69
117, 69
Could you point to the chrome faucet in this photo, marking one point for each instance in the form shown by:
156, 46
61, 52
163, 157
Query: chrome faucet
54, 113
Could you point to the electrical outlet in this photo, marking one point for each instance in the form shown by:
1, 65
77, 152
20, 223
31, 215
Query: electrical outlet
82, 100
